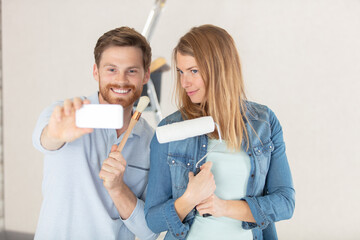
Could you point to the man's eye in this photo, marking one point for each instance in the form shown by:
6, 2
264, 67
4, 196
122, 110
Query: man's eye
132, 71
111, 69
194, 71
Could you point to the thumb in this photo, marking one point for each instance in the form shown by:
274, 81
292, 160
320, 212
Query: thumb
113, 148
191, 175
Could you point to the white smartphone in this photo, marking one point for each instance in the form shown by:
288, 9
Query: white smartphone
99, 116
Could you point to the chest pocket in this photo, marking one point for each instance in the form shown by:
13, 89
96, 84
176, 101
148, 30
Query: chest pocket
179, 170
263, 156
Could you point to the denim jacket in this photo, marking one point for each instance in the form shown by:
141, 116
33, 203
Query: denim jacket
270, 193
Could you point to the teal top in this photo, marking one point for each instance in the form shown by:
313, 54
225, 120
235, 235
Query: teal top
231, 171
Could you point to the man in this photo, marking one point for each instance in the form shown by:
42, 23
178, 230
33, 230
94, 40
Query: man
85, 196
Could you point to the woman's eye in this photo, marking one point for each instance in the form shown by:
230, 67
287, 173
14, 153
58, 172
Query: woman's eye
194, 71
180, 72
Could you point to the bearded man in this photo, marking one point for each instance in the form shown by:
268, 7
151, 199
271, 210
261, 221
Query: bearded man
90, 190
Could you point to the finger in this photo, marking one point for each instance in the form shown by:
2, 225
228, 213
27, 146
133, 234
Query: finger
82, 131
115, 164
114, 148
110, 169
78, 102
58, 113
191, 175
106, 176
205, 211
206, 165
118, 156
202, 206
86, 101
87, 130
206, 200
68, 105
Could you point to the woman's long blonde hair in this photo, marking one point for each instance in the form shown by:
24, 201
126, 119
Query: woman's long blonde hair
216, 55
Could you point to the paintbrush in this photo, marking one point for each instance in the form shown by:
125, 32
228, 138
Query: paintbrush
143, 103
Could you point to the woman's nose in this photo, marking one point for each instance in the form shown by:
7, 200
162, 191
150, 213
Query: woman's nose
185, 81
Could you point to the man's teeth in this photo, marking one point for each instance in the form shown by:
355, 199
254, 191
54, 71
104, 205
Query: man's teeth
121, 90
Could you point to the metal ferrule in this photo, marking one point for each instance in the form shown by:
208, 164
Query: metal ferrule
136, 115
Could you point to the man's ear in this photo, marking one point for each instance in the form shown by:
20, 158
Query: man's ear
146, 77
96, 72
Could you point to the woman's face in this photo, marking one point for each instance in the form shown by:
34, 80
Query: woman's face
190, 77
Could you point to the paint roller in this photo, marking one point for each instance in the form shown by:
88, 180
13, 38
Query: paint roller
186, 129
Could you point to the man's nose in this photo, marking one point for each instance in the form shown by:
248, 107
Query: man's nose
121, 77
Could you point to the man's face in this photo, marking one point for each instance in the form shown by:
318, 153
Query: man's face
121, 75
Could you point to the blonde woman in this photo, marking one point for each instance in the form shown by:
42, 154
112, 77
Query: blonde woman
246, 183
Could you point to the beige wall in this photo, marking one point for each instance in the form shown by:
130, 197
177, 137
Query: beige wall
301, 58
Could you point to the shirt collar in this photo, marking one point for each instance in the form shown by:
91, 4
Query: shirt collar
94, 98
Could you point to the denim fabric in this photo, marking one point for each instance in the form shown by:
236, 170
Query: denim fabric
270, 193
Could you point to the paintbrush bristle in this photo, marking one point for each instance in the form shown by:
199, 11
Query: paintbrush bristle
142, 104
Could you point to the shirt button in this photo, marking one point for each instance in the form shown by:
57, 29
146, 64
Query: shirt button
204, 145
259, 151
262, 223
250, 154
270, 147
252, 175
172, 161
182, 233
188, 164
177, 234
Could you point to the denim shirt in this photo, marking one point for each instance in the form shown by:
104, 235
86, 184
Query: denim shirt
270, 193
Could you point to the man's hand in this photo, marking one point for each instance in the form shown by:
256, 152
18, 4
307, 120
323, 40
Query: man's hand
112, 174
112, 171
61, 127
212, 205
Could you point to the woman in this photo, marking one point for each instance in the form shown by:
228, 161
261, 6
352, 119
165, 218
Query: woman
246, 182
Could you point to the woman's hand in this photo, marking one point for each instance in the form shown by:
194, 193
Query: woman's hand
201, 186
212, 205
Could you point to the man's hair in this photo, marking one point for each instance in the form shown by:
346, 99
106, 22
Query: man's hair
123, 37
216, 56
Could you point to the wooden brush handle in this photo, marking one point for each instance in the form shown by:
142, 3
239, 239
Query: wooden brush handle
126, 134
135, 117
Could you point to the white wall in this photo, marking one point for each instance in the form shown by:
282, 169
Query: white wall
300, 57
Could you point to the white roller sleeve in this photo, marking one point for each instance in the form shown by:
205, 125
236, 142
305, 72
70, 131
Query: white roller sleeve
185, 129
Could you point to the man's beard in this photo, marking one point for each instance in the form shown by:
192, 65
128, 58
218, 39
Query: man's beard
126, 101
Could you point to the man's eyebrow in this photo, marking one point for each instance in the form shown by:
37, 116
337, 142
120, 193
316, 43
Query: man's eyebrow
135, 66
113, 65
109, 65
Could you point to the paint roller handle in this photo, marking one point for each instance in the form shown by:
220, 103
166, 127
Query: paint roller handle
196, 172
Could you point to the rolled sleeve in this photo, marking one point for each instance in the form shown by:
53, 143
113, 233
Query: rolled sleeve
278, 201
176, 227
261, 221
136, 222
39, 127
